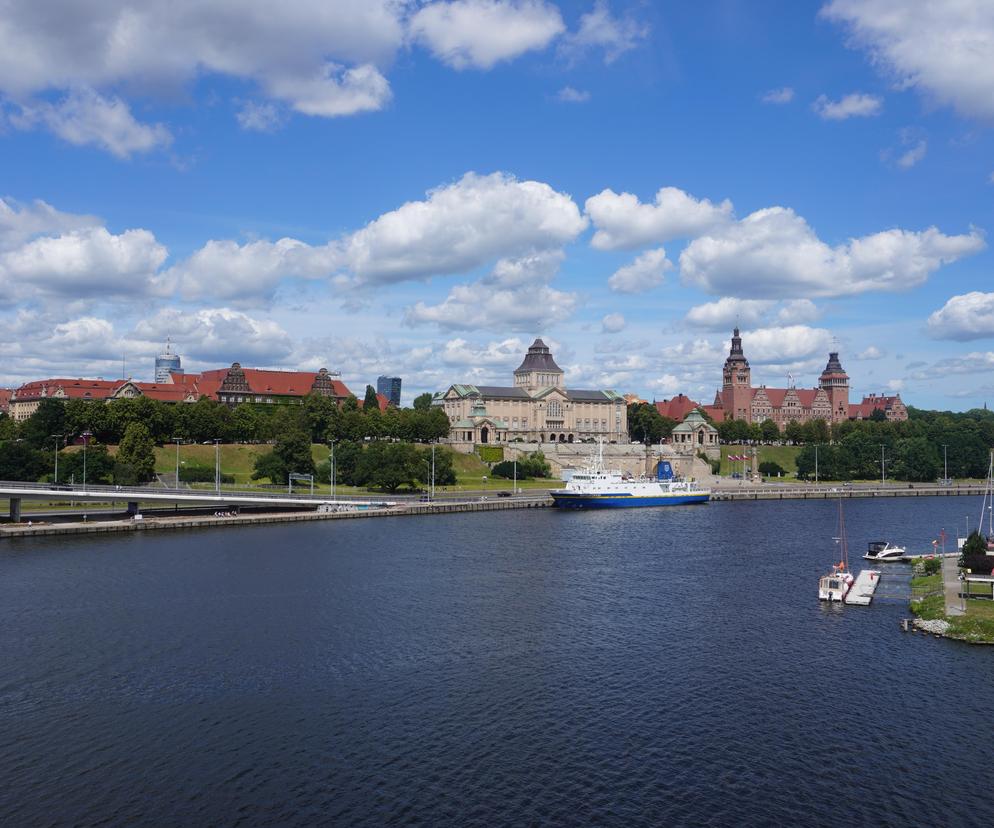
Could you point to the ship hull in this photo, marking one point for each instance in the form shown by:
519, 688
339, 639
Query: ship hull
568, 500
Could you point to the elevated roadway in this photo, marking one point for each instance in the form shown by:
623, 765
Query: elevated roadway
16, 492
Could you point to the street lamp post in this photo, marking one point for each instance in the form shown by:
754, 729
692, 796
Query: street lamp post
816, 464
57, 437
945, 465
514, 487
177, 440
432, 495
331, 468
86, 441
217, 465
883, 467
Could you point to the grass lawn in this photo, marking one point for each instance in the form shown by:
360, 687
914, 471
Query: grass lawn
786, 456
239, 460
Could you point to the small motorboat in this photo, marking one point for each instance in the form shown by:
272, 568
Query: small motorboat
884, 552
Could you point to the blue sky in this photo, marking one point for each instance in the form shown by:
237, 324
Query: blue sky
421, 188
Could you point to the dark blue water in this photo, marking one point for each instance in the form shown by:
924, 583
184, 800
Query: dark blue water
645, 667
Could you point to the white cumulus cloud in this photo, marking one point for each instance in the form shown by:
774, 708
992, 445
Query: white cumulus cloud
85, 117
775, 253
462, 226
783, 95
570, 95
855, 105
87, 262
729, 312
624, 221
22, 222
482, 33
218, 335
944, 49
645, 273
600, 29
613, 323
785, 345
964, 317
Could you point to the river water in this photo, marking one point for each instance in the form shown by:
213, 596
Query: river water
633, 667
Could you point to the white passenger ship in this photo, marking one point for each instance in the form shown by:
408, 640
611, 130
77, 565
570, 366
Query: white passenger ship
598, 488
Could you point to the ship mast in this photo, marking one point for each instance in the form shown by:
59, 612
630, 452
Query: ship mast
988, 504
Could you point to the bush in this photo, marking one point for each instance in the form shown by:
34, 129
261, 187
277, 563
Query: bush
770, 469
531, 465
490, 454
192, 473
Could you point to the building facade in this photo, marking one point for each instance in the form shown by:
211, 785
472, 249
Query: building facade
235, 385
537, 408
389, 387
739, 400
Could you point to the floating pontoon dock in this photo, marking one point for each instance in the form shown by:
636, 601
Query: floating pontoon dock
861, 592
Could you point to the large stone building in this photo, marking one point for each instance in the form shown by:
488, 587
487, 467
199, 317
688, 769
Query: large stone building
231, 386
739, 400
537, 408
236, 385
25, 400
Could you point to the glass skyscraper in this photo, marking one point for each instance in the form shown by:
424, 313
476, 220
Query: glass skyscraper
389, 387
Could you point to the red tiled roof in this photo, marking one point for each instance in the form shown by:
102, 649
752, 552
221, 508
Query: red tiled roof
5, 398
677, 408
806, 396
383, 402
775, 396
715, 412
70, 388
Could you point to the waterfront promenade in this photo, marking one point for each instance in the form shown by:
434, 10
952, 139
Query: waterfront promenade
270, 507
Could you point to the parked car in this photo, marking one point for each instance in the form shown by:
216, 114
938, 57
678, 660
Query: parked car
503, 494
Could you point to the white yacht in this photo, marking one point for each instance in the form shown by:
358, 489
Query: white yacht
884, 551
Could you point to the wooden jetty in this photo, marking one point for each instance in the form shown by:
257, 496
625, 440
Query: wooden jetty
861, 592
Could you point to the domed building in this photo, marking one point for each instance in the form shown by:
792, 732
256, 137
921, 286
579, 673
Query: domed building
537, 408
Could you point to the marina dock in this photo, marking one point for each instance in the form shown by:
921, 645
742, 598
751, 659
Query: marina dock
861, 592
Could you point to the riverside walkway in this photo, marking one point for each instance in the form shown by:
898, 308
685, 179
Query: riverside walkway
951, 586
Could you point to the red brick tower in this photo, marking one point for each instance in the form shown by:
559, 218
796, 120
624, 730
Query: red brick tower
835, 381
736, 390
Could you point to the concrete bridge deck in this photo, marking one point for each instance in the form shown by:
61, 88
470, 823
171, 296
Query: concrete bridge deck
17, 492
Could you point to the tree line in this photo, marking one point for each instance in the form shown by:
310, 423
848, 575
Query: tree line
916, 449
27, 449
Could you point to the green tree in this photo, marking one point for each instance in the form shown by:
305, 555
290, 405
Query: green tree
422, 402
769, 431
389, 466
137, 453
269, 467
48, 419
370, 401
445, 471
294, 450
99, 465
19, 461
975, 544
916, 459
8, 428
794, 432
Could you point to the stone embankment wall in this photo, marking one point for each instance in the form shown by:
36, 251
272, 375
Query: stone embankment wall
628, 457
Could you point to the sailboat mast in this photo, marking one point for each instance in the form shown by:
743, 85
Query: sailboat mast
988, 500
842, 536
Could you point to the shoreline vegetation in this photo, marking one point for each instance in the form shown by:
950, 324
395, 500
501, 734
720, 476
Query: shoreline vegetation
971, 622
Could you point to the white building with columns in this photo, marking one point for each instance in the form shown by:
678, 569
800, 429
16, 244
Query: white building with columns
537, 408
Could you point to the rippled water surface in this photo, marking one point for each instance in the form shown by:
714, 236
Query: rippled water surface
644, 667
